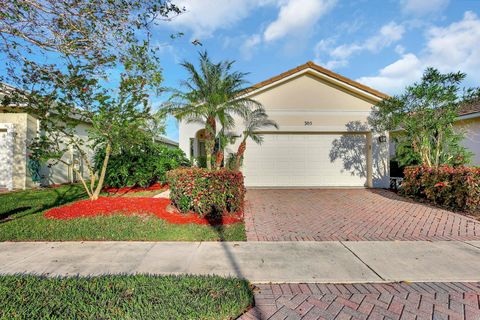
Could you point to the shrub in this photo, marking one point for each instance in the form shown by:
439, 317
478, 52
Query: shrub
141, 165
457, 188
201, 161
206, 192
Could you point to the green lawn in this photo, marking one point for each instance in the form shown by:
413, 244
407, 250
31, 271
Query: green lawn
123, 297
21, 219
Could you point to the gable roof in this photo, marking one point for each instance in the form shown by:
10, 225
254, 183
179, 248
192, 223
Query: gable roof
315, 67
469, 109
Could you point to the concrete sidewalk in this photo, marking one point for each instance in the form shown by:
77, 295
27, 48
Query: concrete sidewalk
302, 262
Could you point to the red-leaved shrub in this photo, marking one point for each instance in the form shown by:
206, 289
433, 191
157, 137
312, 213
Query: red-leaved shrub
454, 187
206, 192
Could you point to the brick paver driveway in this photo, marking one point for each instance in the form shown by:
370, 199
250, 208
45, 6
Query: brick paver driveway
435, 301
349, 214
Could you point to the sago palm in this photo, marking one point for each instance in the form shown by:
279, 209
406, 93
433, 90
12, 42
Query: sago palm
212, 93
254, 121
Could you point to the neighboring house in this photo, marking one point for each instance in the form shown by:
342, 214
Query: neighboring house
17, 129
468, 121
324, 139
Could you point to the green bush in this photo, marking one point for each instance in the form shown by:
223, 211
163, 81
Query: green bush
454, 187
141, 165
201, 161
207, 192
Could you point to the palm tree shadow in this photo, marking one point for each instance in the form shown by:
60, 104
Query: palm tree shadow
216, 223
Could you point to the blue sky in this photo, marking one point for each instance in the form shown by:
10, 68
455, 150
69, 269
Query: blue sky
384, 44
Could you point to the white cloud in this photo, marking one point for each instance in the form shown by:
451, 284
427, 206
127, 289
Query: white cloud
338, 56
456, 46
423, 7
296, 16
204, 17
249, 45
399, 49
451, 48
396, 75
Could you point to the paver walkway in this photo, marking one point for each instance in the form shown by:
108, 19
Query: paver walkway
366, 301
349, 215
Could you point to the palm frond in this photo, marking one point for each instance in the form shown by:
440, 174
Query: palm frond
255, 121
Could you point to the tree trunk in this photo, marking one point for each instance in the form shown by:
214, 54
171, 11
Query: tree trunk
209, 146
240, 153
84, 184
438, 151
219, 159
108, 150
210, 132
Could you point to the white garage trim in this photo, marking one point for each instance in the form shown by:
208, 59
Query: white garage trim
306, 159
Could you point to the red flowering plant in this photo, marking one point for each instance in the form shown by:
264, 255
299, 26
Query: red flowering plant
454, 187
207, 192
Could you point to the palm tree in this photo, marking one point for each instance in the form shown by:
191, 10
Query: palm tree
212, 93
224, 138
254, 121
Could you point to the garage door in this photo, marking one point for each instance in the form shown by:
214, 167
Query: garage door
307, 160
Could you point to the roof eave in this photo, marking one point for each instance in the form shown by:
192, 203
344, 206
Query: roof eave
285, 76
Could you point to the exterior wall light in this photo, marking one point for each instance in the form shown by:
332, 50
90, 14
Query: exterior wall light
382, 139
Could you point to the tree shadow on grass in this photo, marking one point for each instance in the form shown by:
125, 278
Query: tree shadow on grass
56, 197
6, 216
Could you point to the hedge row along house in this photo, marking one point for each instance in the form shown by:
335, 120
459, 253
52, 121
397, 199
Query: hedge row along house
17, 171
324, 138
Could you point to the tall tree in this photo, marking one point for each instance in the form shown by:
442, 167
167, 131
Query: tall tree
254, 122
98, 31
212, 93
100, 70
424, 117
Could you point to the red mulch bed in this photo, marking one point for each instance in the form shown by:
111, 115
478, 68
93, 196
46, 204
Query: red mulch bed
124, 190
158, 207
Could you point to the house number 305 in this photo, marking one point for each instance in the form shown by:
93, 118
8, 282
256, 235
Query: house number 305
308, 123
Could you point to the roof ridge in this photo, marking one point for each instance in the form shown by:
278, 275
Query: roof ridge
312, 65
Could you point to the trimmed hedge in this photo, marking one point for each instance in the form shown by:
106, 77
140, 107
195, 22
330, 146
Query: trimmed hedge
454, 187
206, 192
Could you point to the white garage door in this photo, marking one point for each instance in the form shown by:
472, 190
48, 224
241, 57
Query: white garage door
306, 160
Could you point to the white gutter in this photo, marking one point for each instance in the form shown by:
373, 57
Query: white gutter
469, 116
166, 141
459, 118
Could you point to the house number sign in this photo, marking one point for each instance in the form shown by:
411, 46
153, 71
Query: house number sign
308, 123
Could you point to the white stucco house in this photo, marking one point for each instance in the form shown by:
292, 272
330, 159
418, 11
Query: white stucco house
324, 139
469, 122
17, 130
